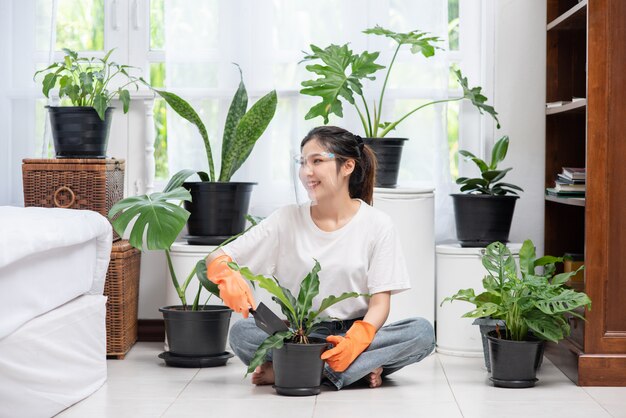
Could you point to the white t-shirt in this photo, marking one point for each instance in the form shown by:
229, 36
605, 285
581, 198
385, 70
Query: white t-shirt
363, 256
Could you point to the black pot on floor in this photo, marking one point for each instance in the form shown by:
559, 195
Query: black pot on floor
482, 219
514, 364
218, 211
388, 153
201, 333
298, 368
487, 325
78, 131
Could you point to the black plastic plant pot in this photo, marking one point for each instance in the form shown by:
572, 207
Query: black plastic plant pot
514, 364
218, 211
201, 333
389, 154
482, 219
487, 325
298, 368
78, 132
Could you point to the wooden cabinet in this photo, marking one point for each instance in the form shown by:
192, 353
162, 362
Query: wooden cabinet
586, 58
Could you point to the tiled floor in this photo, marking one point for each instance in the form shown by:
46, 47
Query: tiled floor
439, 386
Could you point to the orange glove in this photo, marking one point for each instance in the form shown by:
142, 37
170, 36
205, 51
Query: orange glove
348, 348
234, 290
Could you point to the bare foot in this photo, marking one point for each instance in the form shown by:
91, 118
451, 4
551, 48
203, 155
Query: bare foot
264, 374
375, 379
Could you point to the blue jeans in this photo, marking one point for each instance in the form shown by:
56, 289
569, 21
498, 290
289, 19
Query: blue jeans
395, 345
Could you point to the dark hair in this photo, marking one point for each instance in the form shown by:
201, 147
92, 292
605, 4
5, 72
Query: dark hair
346, 145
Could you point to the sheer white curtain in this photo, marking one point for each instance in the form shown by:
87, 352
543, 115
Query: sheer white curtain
25, 38
266, 38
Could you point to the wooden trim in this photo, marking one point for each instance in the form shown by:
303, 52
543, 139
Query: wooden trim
601, 369
574, 18
152, 330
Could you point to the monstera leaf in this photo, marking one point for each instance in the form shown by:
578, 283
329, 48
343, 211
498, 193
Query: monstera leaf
155, 216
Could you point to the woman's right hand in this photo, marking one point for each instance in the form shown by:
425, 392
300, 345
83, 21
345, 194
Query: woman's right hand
234, 290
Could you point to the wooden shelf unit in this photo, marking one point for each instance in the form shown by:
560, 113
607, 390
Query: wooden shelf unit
586, 56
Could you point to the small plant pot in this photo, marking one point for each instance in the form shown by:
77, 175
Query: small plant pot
78, 132
487, 325
514, 364
298, 368
201, 333
218, 211
388, 154
482, 219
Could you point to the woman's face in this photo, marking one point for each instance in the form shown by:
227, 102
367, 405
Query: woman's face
318, 171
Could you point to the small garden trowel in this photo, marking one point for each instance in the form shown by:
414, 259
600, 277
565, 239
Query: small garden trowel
267, 320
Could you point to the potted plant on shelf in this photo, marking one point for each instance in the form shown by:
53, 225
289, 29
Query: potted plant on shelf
296, 345
82, 129
218, 206
341, 75
196, 332
534, 305
484, 211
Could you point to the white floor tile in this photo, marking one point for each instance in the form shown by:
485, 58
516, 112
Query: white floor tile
446, 386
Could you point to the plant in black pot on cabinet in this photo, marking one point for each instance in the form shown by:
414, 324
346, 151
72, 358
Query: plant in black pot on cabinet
196, 332
296, 354
219, 206
484, 211
341, 75
535, 306
82, 129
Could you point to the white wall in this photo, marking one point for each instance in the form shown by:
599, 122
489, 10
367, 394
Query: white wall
520, 79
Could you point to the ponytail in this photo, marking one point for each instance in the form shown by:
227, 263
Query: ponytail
346, 145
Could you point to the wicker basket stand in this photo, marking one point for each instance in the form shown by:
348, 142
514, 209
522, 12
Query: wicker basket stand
122, 289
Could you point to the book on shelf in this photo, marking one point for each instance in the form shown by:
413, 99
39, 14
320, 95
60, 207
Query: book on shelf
564, 180
551, 191
574, 173
561, 186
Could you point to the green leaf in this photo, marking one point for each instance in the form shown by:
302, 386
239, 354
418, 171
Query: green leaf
333, 82
494, 175
248, 131
565, 301
235, 113
86, 82
499, 151
101, 103
544, 326
269, 284
309, 288
275, 341
124, 96
178, 179
331, 300
419, 41
185, 111
474, 95
48, 83
482, 311
204, 281
154, 215
527, 258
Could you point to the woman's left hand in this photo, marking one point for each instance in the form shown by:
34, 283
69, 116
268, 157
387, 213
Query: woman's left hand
348, 348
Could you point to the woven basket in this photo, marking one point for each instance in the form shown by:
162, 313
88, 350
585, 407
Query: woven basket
122, 290
93, 184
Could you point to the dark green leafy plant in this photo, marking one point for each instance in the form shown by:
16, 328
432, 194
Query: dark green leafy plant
531, 301
302, 318
489, 181
342, 72
241, 131
157, 224
85, 81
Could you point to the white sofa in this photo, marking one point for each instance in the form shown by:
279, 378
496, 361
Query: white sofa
53, 266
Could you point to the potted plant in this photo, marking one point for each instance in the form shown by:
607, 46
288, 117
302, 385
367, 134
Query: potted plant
296, 354
535, 305
341, 75
82, 129
218, 206
484, 211
196, 332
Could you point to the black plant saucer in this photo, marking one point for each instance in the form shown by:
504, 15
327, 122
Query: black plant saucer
513, 383
173, 360
297, 391
205, 240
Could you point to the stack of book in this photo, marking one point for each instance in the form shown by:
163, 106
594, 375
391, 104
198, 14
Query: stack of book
569, 183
